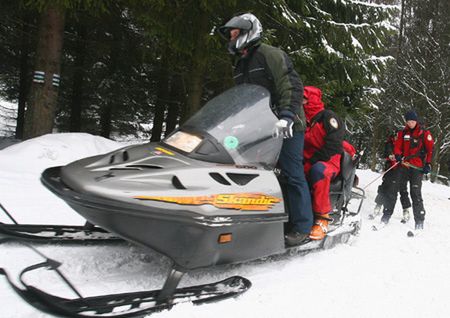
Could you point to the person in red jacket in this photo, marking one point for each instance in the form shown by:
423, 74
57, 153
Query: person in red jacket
322, 153
413, 150
389, 181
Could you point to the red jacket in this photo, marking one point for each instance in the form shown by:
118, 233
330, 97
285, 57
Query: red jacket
415, 145
325, 131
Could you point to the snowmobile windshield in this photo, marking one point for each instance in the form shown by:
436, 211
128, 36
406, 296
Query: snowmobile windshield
235, 127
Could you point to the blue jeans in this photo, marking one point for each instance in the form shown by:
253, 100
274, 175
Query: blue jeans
298, 195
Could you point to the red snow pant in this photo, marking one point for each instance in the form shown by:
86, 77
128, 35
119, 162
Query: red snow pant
319, 176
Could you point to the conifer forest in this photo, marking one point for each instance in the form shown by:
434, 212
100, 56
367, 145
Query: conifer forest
140, 68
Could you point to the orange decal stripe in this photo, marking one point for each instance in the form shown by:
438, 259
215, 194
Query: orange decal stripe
241, 201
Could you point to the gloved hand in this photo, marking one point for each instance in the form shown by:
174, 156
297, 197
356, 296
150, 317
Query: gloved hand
426, 169
399, 158
284, 127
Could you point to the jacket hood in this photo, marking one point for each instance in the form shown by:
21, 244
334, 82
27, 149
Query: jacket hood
315, 104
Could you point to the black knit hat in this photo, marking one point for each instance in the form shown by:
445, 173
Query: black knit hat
411, 115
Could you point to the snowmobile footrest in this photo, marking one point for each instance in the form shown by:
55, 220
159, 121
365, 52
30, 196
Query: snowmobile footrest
42, 233
51, 233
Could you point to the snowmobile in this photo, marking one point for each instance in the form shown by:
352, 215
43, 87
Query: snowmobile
208, 194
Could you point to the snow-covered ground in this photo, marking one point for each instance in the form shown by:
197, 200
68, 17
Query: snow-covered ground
380, 274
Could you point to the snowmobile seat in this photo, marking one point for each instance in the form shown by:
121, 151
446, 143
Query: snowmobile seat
341, 185
345, 174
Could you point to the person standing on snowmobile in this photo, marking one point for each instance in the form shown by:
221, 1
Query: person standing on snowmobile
323, 148
389, 182
270, 67
413, 150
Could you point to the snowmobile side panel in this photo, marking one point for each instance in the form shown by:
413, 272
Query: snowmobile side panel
190, 240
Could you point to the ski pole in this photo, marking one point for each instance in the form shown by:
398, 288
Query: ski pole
409, 165
394, 165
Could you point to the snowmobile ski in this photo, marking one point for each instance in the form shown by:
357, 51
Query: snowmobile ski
47, 233
132, 304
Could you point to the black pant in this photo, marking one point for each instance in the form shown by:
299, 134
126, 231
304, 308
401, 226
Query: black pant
386, 187
401, 176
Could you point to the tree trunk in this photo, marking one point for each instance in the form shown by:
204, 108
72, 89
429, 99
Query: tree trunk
78, 79
400, 33
105, 119
40, 113
108, 108
23, 75
196, 76
162, 93
377, 136
176, 99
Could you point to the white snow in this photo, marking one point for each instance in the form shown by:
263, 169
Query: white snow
356, 43
380, 274
370, 4
330, 49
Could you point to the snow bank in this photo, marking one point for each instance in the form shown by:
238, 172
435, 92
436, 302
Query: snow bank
380, 274
21, 167
34, 155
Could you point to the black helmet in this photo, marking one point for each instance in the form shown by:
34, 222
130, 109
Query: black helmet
251, 30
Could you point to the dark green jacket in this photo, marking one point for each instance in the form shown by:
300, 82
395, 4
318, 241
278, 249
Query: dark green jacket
271, 68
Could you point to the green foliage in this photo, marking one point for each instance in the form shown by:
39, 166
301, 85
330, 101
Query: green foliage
130, 44
17, 27
421, 78
92, 5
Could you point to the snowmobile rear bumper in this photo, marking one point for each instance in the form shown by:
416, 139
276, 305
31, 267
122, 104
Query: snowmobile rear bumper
190, 240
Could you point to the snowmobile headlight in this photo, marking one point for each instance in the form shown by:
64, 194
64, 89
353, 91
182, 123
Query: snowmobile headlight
183, 141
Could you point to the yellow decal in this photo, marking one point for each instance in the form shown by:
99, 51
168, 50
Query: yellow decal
167, 152
241, 201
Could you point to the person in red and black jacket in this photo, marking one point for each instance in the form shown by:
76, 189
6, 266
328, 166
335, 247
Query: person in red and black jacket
389, 181
323, 148
413, 150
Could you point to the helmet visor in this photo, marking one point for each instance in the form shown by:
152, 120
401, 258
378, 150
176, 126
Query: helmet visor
235, 23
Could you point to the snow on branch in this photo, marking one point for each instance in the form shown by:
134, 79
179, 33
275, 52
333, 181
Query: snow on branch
382, 24
288, 14
382, 59
374, 5
330, 49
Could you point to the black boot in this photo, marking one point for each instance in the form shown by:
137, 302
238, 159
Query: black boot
385, 219
295, 238
419, 225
